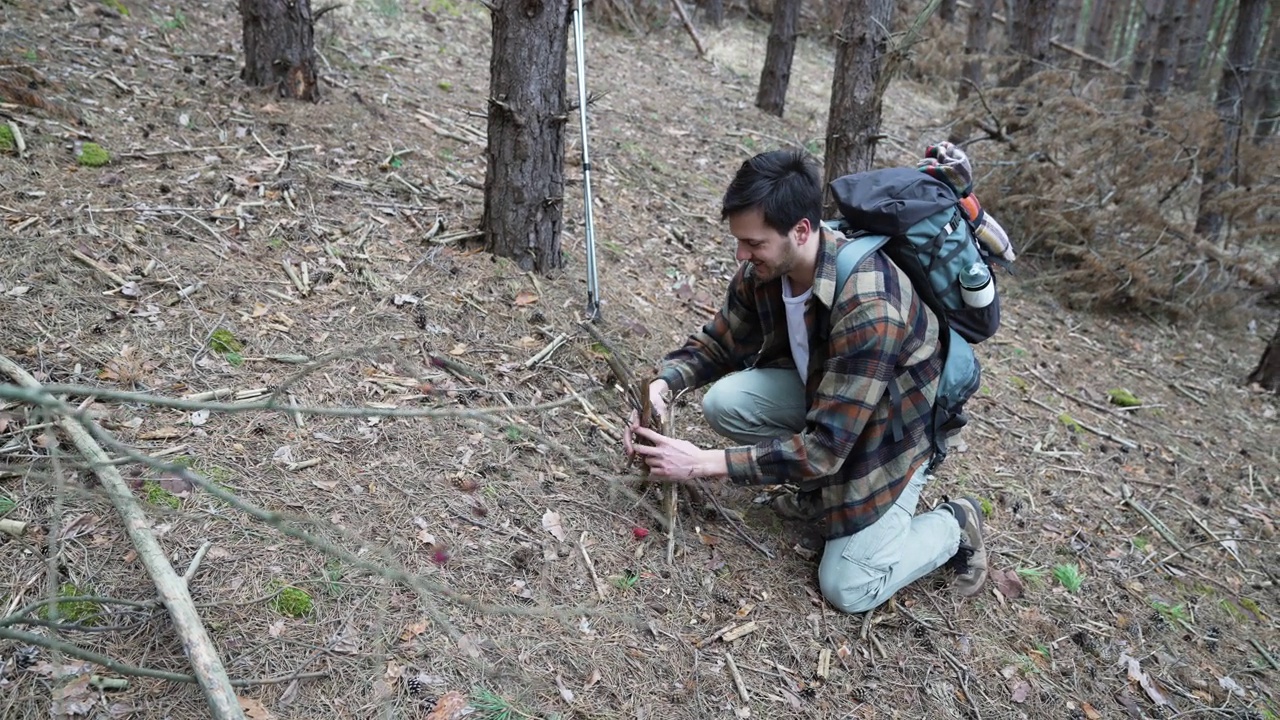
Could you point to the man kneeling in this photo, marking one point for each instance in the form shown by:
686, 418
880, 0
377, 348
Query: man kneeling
816, 407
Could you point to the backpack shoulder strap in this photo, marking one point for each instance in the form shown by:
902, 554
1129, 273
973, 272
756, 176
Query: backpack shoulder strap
851, 254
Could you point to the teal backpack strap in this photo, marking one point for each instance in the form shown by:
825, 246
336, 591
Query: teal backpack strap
849, 257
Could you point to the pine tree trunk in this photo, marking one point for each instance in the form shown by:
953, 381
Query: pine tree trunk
947, 11
279, 47
1264, 98
1267, 374
1191, 43
1152, 10
1097, 38
1068, 20
524, 182
776, 74
1215, 53
857, 90
1236, 71
1166, 51
975, 46
1030, 31
715, 13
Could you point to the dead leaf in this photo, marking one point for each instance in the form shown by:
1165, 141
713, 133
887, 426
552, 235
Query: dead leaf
524, 297
551, 523
254, 709
1136, 674
199, 417
82, 525
413, 630
18, 290
592, 679
1089, 712
468, 645
276, 628
130, 289
450, 706
1009, 584
73, 698
709, 540
165, 433
325, 484
459, 349
520, 589
346, 641
565, 693
1231, 686
1021, 690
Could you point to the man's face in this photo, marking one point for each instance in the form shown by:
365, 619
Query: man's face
772, 253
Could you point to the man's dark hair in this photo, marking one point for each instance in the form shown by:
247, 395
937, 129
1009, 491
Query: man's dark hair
785, 184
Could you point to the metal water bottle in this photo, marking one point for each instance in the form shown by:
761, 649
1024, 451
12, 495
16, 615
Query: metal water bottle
976, 288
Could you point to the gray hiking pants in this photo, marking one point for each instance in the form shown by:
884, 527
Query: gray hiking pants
863, 570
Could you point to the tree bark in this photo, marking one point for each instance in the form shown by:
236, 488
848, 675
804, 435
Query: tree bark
776, 74
1097, 38
1152, 11
1267, 374
1191, 43
715, 13
1236, 70
975, 46
1165, 55
857, 90
279, 47
1264, 103
1030, 32
947, 11
1068, 21
524, 181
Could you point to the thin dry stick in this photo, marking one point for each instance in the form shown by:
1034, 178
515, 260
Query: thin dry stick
1126, 492
12, 527
737, 678
591, 567
173, 591
110, 664
688, 25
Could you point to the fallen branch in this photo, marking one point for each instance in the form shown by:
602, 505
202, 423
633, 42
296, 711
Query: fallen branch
591, 567
80, 653
737, 678
697, 41
98, 267
1126, 493
199, 649
13, 527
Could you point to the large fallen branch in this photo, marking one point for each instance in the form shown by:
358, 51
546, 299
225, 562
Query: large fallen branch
204, 659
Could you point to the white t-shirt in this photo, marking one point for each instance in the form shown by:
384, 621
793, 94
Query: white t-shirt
796, 329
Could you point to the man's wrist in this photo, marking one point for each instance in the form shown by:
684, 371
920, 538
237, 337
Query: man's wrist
713, 464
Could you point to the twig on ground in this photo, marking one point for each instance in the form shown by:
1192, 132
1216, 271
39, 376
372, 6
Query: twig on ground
1126, 493
98, 267
619, 370
546, 351
12, 527
199, 648
1263, 652
733, 522
715, 635
1096, 431
962, 673
1225, 546
195, 562
99, 659
737, 678
591, 567
740, 631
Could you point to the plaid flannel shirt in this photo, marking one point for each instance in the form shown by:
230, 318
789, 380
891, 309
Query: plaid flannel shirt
877, 332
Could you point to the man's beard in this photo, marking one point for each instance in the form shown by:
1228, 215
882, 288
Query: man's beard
768, 272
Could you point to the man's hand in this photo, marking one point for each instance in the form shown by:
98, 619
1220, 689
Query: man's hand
672, 459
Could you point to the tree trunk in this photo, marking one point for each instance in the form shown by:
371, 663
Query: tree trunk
947, 11
1215, 53
857, 90
1152, 10
1264, 99
1191, 43
1068, 21
715, 13
1097, 38
776, 74
279, 47
1236, 70
1166, 50
1267, 374
524, 181
975, 46
1030, 31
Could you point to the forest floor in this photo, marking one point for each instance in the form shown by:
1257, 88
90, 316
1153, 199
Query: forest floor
1134, 551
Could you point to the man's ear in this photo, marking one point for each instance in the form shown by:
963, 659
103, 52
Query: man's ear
803, 229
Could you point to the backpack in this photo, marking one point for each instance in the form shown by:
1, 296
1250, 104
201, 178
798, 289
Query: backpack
916, 220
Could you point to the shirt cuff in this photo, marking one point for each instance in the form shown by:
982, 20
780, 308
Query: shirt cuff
743, 468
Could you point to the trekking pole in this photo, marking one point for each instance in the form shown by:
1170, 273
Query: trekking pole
593, 283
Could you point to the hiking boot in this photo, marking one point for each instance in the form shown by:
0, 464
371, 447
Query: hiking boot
970, 561
797, 506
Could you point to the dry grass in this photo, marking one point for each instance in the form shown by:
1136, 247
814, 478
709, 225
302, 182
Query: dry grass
461, 504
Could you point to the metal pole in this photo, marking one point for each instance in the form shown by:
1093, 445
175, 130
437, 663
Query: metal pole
593, 282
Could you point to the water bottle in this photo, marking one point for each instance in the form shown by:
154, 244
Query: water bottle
976, 288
